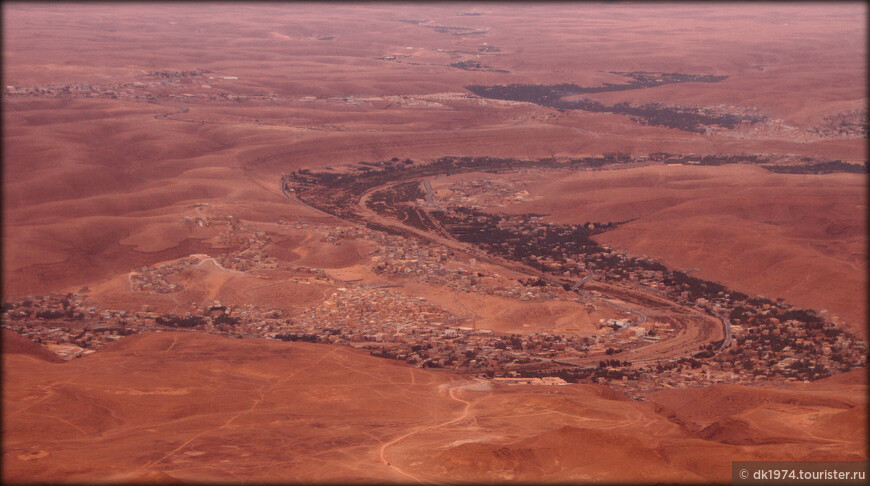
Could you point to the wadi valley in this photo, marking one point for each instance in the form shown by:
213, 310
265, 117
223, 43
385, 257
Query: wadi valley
570, 242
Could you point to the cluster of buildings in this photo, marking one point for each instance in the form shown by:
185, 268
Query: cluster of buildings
771, 339
385, 322
483, 193
153, 86
155, 278
845, 125
131, 90
393, 325
436, 265
765, 339
191, 86
67, 326
568, 253
424, 262
249, 252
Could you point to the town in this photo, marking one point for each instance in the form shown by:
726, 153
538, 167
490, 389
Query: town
202, 85
763, 340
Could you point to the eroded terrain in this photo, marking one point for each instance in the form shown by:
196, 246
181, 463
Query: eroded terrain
432, 243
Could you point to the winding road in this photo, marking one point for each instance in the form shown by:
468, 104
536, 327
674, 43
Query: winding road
430, 196
464, 415
641, 318
726, 326
683, 344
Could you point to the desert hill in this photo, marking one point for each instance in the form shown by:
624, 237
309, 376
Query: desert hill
798, 237
73, 205
200, 406
203, 407
745, 416
144, 157
15, 344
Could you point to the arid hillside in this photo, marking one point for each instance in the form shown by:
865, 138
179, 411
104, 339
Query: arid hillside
237, 243
188, 406
287, 89
794, 236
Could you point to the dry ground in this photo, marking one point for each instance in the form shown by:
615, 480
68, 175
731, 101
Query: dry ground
77, 212
799, 237
94, 188
200, 407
